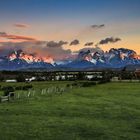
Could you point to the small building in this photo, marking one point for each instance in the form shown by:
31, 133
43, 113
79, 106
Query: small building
115, 79
60, 77
89, 77
137, 73
11, 81
30, 79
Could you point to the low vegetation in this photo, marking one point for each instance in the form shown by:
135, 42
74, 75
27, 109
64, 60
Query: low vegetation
85, 111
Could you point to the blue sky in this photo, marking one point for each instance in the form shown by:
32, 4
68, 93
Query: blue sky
69, 8
70, 19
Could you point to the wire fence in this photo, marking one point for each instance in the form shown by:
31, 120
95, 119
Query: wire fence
40, 92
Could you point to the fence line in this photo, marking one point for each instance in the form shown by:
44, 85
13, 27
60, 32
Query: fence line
41, 92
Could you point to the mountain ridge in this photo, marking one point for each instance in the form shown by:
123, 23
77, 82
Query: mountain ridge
114, 58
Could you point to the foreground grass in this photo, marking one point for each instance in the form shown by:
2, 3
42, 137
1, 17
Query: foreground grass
103, 112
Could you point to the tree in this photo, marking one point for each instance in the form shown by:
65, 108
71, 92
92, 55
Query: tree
81, 76
20, 78
7, 90
1, 77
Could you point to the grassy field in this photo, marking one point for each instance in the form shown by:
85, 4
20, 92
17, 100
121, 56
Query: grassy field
103, 112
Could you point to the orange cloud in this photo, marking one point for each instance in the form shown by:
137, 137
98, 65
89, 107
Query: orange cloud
16, 37
21, 25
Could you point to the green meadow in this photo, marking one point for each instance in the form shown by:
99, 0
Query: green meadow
108, 111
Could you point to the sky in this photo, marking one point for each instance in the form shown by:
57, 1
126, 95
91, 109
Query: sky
61, 27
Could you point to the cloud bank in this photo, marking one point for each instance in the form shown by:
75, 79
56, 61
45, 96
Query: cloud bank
109, 40
42, 48
75, 42
89, 44
56, 44
95, 26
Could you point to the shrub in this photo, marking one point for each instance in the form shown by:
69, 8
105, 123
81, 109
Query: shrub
7, 90
103, 81
20, 78
75, 84
83, 84
88, 84
19, 88
68, 85
27, 87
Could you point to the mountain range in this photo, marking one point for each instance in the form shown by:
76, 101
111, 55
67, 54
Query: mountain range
85, 60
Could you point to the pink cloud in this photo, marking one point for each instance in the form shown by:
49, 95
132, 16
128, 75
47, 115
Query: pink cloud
16, 37
21, 25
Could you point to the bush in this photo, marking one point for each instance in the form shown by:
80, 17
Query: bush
7, 90
88, 84
103, 81
20, 78
19, 88
75, 84
83, 84
68, 85
27, 87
